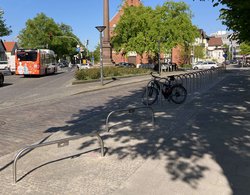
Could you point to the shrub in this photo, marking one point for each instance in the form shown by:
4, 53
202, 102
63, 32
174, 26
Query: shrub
94, 73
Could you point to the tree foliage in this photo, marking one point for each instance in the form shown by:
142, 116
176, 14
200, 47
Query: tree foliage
199, 51
4, 29
96, 53
43, 32
244, 49
236, 16
141, 28
131, 32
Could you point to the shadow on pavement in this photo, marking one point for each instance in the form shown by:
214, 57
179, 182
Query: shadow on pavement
214, 124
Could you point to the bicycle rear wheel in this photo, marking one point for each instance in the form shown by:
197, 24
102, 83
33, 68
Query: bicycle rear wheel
178, 94
150, 95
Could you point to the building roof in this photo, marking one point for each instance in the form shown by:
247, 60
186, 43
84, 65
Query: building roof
203, 34
117, 16
215, 41
9, 45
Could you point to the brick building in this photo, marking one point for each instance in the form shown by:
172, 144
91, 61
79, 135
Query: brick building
174, 56
131, 57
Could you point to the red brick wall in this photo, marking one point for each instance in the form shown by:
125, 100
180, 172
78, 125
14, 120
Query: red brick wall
176, 55
118, 57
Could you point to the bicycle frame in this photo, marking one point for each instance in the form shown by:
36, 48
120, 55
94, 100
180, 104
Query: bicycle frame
163, 87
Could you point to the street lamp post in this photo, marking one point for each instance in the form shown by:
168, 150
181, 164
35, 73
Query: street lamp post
101, 29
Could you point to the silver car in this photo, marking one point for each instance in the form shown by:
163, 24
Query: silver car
205, 65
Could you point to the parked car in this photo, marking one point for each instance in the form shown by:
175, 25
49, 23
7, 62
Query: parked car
4, 65
62, 65
148, 66
1, 79
205, 65
5, 68
126, 64
83, 66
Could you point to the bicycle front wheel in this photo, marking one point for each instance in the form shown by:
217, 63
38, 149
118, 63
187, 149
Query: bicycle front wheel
178, 94
149, 96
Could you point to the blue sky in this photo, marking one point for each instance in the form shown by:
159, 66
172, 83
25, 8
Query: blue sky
84, 15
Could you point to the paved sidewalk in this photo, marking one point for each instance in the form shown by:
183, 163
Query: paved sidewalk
199, 147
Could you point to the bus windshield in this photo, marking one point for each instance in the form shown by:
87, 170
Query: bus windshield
27, 55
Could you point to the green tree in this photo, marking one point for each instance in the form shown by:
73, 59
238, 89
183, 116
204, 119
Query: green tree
131, 32
199, 52
244, 49
141, 28
4, 30
175, 25
38, 32
66, 43
235, 15
43, 32
96, 53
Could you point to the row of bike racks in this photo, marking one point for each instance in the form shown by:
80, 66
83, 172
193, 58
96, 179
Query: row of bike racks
65, 141
193, 81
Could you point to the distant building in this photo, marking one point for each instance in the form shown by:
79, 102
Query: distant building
215, 49
202, 40
11, 47
233, 45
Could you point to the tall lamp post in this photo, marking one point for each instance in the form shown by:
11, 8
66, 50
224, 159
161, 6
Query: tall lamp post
101, 29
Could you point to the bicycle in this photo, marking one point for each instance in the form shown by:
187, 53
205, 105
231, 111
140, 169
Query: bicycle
170, 90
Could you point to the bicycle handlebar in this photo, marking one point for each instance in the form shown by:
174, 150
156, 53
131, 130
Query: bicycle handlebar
155, 76
169, 78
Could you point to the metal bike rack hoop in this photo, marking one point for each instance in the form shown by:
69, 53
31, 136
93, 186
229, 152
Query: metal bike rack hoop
129, 110
60, 142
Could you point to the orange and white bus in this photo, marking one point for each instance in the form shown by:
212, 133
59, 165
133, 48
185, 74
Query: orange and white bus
35, 62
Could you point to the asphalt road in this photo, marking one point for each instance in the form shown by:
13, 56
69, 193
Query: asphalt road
18, 90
